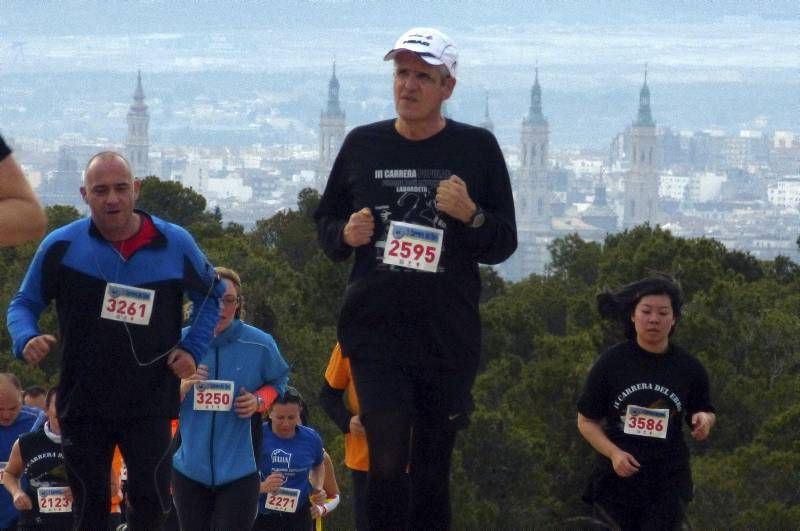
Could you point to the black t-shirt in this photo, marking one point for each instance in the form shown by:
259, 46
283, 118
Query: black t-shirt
44, 467
418, 317
626, 375
4, 149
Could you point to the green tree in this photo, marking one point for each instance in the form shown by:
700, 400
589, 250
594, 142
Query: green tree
492, 284
521, 463
292, 232
171, 201
574, 259
60, 215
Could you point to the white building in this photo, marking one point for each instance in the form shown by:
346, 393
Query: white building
586, 168
195, 175
697, 188
783, 139
705, 187
230, 187
785, 193
673, 187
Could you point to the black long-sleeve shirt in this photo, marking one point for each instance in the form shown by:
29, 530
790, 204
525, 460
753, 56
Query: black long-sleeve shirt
396, 179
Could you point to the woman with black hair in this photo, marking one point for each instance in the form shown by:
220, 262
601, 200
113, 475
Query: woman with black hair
633, 405
291, 466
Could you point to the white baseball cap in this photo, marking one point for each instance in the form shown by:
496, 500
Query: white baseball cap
430, 45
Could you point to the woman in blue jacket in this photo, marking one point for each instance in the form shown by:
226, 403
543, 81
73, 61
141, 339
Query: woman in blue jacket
215, 478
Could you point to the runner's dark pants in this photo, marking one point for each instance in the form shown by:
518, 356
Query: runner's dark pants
278, 521
411, 416
389, 505
360, 499
661, 514
233, 505
652, 500
88, 450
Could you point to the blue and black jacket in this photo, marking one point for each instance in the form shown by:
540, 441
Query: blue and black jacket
111, 369
217, 446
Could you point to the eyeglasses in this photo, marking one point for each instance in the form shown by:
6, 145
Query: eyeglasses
230, 300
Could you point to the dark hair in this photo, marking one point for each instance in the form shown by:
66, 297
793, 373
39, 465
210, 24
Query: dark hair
619, 305
290, 396
304, 413
49, 398
34, 391
293, 396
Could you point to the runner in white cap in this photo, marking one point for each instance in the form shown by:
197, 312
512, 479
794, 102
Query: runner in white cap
422, 200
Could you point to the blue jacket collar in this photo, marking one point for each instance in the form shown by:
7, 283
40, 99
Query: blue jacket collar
159, 241
229, 335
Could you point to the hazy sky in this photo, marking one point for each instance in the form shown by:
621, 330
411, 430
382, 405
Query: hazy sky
710, 63
110, 16
266, 35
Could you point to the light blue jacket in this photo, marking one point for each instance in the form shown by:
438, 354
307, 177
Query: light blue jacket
217, 446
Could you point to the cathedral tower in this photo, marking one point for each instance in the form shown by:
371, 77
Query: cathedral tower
531, 193
487, 121
137, 143
331, 131
533, 200
641, 182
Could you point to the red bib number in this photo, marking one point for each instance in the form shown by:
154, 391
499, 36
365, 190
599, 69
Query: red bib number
127, 304
413, 246
646, 422
285, 500
53, 500
213, 395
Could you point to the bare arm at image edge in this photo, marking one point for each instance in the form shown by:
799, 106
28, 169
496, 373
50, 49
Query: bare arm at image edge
21, 216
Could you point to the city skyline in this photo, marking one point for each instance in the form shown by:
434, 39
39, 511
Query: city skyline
689, 120
556, 195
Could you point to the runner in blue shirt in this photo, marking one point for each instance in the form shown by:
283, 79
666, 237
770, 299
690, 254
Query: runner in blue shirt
291, 466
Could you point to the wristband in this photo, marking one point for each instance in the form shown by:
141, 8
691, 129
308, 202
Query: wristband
268, 395
331, 503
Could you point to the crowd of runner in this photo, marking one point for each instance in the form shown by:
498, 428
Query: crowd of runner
196, 402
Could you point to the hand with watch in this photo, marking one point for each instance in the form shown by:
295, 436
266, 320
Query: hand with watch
452, 198
478, 218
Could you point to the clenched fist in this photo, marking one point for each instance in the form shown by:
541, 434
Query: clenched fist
360, 228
